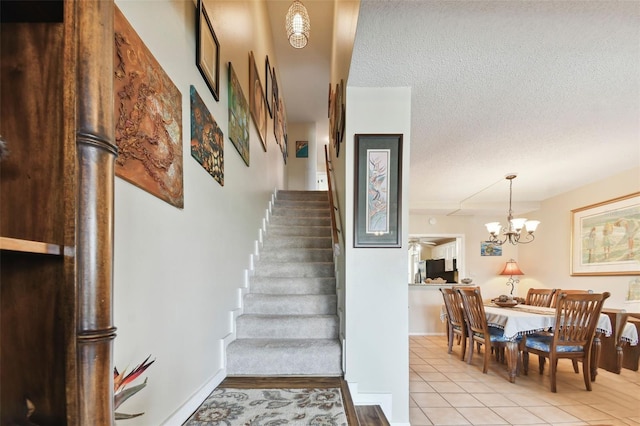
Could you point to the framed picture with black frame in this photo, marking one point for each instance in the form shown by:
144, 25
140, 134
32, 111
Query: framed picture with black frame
207, 51
268, 87
378, 191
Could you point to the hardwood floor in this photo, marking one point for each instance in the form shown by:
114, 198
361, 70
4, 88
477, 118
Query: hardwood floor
360, 416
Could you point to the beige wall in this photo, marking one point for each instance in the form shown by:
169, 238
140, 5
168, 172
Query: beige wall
545, 261
177, 272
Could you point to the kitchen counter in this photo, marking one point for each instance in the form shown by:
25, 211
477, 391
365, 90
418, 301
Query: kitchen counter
425, 304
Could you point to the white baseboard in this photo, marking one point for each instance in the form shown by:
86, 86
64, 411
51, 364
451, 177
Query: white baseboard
384, 400
186, 410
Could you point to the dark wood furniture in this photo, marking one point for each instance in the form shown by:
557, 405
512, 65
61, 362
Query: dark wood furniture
540, 296
56, 212
456, 326
611, 352
630, 354
573, 341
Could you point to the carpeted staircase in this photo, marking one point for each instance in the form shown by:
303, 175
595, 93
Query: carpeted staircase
289, 325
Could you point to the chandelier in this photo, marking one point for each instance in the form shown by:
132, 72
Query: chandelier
513, 231
298, 25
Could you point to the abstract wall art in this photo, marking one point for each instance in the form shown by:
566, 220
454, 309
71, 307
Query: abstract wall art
148, 114
207, 140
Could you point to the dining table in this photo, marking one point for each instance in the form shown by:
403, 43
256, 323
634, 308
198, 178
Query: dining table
520, 320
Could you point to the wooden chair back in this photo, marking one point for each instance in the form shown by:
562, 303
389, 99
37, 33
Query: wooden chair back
577, 316
453, 306
473, 308
554, 298
540, 296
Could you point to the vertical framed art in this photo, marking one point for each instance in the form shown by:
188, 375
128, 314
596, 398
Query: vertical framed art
238, 116
378, 190
268, 87
257, 103
207, 51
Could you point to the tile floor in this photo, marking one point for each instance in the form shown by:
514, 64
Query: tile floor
445, 390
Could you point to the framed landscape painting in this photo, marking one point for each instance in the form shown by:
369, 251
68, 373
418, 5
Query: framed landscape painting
605, 237
378, 189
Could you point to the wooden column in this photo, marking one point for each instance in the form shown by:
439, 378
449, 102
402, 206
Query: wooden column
96, 152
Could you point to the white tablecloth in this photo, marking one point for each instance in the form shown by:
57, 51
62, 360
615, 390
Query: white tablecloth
526, 319
630, 334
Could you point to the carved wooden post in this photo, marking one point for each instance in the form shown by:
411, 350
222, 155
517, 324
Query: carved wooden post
96, 152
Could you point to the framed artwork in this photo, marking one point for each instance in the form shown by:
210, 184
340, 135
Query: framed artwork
207, 140
148, 115
605, 237
285, 149
207, 50
489, 249
257, 104
238, 116
268, 87
302, 149
378, 190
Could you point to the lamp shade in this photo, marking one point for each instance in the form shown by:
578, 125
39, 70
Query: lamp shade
511, 268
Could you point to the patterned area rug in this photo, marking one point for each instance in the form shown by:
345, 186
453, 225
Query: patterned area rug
271, 407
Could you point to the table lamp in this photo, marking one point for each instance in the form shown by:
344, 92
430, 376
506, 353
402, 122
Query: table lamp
511, 269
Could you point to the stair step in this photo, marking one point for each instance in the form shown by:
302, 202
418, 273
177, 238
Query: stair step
293, 285
300, 220
289, 324
300, 212
287, 357
249, 326
300, 231
298, 255
290, 304
292, 269
278, 242
303, 195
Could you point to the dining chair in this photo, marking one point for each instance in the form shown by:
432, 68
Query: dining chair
456, 326
478, 330
573, 334
540, 296
554, 298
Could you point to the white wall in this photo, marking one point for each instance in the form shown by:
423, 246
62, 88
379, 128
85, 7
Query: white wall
301, 172
377, 352
177, 271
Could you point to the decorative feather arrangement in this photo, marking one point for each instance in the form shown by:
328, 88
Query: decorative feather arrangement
121, 393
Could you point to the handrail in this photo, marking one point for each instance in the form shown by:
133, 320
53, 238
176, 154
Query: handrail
334, 224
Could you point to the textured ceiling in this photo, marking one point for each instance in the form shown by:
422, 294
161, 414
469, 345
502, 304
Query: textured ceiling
549, 90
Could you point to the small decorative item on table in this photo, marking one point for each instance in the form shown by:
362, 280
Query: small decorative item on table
505, 301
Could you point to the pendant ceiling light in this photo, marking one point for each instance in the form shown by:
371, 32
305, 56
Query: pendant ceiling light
513, 230
298, 25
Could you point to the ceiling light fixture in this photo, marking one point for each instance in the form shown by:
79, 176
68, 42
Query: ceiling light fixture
513, 230
298, 25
